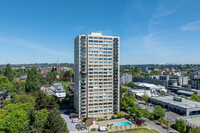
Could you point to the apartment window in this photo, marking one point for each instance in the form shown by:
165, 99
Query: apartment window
83, 37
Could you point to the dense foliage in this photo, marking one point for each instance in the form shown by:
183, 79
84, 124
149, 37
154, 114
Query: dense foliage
32, 81
195, 97
29, 109
158, 112
9, 73
5, 84
131, 84
181, 126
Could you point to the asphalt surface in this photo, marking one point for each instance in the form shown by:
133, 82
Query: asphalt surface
70, 125
159, 128
146, 107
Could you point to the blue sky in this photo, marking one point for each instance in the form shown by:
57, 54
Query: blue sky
151, 31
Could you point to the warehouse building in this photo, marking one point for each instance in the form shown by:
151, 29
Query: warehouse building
177, 104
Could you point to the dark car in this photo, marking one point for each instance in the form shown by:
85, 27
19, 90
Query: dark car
65, 112
83, 128
78, 126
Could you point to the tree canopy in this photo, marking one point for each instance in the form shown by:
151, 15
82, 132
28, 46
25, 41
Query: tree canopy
32, 81
181, 126
159, 112
54, 123
9, 73
5, 84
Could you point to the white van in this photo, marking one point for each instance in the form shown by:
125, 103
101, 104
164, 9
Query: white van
76, 120
103, 129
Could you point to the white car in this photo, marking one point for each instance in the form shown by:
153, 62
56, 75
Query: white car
103, 129
76, 120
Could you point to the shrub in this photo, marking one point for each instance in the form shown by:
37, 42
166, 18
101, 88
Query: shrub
139, 122
160, 120
119, 114
114, 116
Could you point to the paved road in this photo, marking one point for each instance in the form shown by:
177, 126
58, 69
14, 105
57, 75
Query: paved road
152, 125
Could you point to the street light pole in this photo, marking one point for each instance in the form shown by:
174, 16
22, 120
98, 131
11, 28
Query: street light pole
167, 125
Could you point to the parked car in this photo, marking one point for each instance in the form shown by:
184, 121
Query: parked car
76, 120
83, 128
103, 129
78, 126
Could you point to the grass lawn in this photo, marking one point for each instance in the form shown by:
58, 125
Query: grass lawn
64, 83
136, 130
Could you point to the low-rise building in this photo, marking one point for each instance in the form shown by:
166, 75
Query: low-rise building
59, 90
56, 89
141, 92
92, 125
177, 104
188, 91
152, 87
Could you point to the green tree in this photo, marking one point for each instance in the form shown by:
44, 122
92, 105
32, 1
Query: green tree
24, 98
43, 82
119, 114
20, 87
138, 114
123, 105
41, 101
159, 112
194, 97
6, 85
9, 73
55, 123
136, 69
145, 98
14, 118
181, 126
40, 120
32, 81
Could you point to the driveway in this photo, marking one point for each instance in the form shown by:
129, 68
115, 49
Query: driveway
70, 126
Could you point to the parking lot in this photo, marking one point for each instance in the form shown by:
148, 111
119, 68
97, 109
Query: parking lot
70, 125
146, 107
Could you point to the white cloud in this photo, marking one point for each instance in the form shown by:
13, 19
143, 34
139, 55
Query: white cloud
21, 42
191, 26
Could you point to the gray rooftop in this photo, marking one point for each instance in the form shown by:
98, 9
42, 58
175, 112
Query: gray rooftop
184, 104
185, 92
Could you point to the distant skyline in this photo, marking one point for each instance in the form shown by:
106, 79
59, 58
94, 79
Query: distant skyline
151, 32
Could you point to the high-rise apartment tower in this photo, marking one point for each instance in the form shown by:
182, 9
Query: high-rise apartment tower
96, 76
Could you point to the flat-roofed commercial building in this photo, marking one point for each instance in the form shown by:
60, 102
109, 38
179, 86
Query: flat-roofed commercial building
177, 104
97, 69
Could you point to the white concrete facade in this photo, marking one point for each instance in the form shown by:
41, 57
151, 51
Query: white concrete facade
96, 83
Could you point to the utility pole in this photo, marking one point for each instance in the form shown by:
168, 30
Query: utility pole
167, 125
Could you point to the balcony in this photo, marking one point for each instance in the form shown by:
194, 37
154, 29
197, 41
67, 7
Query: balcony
83, 86
84, 96
83, 103
83, 110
